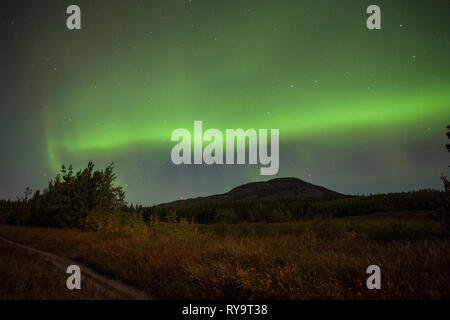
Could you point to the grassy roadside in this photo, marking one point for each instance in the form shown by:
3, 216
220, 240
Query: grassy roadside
27, 276
382, 226
321, 259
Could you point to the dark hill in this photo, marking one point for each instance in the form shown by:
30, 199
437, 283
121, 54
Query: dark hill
279, 189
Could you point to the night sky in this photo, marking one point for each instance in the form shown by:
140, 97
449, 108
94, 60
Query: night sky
359, 111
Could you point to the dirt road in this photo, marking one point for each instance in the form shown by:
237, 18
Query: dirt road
113, 287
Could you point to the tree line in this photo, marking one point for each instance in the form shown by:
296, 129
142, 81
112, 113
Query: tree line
89, 198
73, 198
285, 211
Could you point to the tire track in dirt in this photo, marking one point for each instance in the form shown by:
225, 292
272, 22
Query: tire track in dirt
109, 285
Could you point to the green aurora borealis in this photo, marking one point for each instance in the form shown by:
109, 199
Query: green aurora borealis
359, 111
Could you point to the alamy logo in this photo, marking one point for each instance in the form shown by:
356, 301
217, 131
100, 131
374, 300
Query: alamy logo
374, 281
213, 152
73, 22
74, 280
374, 20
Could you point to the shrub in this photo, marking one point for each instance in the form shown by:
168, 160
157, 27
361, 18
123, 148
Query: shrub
179, 228
124, 223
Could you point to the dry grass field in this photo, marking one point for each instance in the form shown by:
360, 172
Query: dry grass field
319, 259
